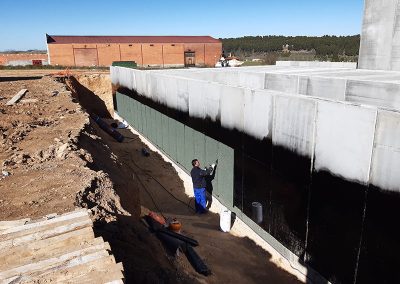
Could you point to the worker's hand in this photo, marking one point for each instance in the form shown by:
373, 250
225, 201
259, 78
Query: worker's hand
216, 162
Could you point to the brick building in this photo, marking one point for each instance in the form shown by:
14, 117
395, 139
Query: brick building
15, 59
146, 51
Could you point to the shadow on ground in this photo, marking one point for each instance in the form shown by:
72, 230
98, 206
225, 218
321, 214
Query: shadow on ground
87, 98
156, 183
147, 182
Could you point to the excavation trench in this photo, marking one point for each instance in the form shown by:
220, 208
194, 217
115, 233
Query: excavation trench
144, 183
141, 253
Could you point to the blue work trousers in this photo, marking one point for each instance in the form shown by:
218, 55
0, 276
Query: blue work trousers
200, 200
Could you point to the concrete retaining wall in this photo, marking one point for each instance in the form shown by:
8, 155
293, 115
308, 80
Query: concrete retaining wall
318, 64
380, 36
325, 170
367, 87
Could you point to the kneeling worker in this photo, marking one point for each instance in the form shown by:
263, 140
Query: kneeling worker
199, 184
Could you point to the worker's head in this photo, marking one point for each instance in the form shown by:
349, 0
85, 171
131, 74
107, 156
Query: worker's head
195, 163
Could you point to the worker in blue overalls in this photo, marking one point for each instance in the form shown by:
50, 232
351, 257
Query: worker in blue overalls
199, 184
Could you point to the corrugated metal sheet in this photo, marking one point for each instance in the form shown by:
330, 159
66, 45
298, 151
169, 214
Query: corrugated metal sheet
55, 39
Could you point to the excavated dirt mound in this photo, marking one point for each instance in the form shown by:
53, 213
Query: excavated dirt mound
53, 160
42, 163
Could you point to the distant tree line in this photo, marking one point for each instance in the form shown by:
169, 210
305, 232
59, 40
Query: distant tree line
322, 46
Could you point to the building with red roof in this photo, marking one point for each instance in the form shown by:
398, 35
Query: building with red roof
146, 51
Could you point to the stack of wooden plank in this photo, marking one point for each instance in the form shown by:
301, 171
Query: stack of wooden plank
57, 248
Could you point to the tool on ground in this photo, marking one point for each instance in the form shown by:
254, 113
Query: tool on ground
175, 226
103, 125
175, 242
145, 152
197, 263
157, 218
156, 224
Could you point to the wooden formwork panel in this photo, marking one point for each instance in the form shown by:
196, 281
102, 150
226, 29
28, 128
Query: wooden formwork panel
56, 249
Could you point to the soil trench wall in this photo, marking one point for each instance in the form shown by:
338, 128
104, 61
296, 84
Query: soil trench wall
326, 172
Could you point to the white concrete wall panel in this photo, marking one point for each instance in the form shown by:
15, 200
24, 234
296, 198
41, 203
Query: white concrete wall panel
258, 113
171, 92
282, 83
352, 65
126, 78
343, 132
378, 33
251, 80
148, 88
395, 56
141, 84
344, 140
293, 124
133, 80
159, 95
328, 88
385, 170
212, 93
197, 106
379, 94
198, 75
114, 75
232, 108
134, 74
227, 78
152, 86
183, 95
137, 74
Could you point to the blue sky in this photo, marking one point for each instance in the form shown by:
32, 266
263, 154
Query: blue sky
24, 23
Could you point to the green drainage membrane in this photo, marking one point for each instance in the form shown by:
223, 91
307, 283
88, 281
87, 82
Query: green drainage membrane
181, 144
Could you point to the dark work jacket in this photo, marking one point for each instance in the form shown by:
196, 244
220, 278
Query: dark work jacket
198, 177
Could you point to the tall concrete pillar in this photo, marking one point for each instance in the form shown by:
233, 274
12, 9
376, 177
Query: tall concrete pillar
380, 36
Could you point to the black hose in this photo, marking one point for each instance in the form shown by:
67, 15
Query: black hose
151, 197
143, 171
